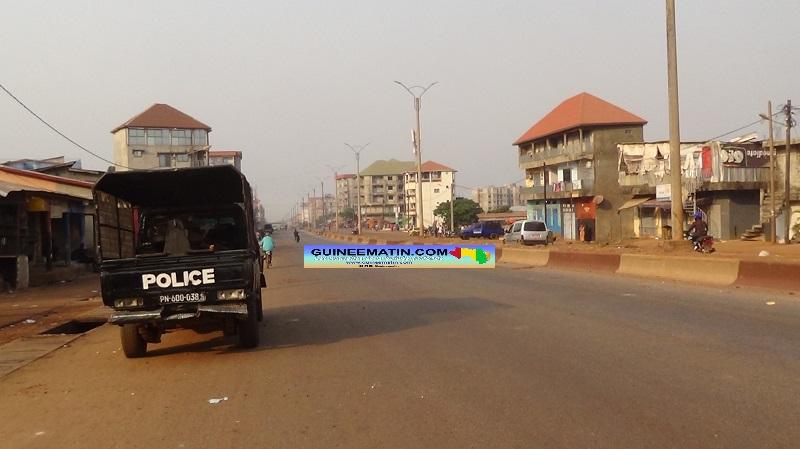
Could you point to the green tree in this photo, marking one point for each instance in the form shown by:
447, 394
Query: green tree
348, 213
465, 210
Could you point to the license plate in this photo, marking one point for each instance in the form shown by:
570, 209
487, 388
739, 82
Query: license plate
178, 298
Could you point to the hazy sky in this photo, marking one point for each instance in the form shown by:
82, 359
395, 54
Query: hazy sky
288, 82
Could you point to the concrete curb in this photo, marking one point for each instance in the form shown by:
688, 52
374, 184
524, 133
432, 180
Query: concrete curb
769, 275
598, 262
688, 269
523, 256
701, 270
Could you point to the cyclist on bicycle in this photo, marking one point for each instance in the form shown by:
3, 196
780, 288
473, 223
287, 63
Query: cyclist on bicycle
267, 245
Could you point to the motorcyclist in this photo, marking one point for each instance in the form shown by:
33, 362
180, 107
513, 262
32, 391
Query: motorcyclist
699, 228
267, 245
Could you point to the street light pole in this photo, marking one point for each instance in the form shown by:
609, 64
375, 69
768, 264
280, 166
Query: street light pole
418, 146
674, 126
357, 151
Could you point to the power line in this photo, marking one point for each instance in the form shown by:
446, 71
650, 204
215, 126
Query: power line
59, 132
742, 127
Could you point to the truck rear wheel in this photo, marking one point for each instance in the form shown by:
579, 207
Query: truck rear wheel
248, 328
133, 344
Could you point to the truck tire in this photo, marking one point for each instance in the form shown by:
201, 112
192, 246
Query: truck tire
133, 344
248, 328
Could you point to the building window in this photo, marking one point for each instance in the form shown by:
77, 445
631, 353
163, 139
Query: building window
566, 173
181, 137
391, 197
138, 153
435, 190
164, 159
158, 136
136, 136
199, 137
183, 157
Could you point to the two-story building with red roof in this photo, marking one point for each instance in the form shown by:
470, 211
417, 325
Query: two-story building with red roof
570, 160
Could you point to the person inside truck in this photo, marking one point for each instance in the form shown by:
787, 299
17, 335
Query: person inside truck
176, 242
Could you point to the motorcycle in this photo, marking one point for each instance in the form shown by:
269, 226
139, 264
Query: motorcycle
703, 244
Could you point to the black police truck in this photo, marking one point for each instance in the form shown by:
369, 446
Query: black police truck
178, 249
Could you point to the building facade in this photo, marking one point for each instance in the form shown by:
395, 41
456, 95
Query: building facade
319, 211
722, 180
47, 226
793, 208
491, 198
225, 157
346, 192
161, 137
570, 161
382, 197
438, 182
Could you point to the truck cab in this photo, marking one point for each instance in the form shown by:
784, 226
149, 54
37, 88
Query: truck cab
178, 249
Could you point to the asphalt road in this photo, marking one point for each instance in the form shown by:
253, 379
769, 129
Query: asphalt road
503, 358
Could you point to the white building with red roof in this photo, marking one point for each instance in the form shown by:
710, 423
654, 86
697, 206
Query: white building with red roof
438, 182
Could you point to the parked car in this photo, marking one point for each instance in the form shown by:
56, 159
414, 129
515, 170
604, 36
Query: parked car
528, 232
486, 229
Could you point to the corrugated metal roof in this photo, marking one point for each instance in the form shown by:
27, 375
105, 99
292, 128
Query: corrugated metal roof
430, 166
14, 180
390, 167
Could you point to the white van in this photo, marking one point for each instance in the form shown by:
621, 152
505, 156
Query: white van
528, 232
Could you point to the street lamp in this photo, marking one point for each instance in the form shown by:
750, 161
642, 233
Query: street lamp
357, 149
418, 144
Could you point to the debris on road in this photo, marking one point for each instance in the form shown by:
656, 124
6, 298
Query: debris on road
763, 253
39, 433
29, 321
217, 400
770, 303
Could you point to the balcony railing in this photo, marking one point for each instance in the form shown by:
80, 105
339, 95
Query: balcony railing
582, 187
571, 153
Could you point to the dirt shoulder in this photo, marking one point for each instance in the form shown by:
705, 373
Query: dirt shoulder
34, 310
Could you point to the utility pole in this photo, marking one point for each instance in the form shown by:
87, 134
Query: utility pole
773, 229
787, 188
418, 147
314, 209
674, 126
357, 151
336, 199
335, 171
322, 189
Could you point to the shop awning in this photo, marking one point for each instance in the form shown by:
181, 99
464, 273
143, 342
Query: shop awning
635, 201
15, 180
